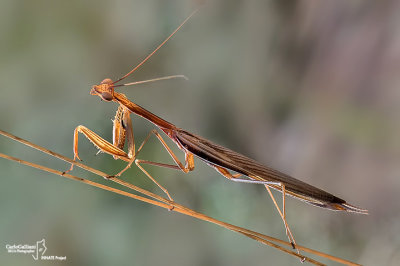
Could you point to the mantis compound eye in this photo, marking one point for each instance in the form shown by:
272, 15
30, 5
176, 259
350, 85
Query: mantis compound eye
106, 96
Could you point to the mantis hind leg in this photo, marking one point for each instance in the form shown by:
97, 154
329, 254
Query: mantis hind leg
282, 213
235, 177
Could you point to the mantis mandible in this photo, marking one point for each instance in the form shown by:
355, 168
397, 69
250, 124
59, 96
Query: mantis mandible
228, 163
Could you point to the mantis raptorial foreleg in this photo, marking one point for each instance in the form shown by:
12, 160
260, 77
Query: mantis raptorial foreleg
122, 131
103, 145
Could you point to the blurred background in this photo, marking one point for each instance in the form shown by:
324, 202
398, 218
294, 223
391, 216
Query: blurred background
310, 88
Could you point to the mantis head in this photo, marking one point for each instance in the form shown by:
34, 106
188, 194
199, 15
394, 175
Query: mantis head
105, 90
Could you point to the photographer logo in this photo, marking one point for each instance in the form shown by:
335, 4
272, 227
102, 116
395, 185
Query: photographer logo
37, 251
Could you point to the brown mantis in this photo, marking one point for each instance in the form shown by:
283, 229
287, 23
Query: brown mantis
223, 160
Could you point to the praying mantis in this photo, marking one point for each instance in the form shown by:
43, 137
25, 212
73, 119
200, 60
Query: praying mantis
228, 163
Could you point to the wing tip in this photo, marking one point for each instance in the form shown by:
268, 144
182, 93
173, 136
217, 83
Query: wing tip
348, 208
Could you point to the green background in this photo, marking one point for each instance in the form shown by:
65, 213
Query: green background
310, 88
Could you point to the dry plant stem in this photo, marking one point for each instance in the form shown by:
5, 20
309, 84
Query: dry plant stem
177, 207
164, 202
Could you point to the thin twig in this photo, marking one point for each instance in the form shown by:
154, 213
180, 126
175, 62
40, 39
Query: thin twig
164, 203
176, 207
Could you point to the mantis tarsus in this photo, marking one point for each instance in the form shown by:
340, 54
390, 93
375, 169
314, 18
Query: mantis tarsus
220, 158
